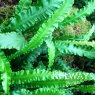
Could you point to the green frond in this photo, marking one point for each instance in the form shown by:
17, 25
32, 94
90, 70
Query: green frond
27, 18
45, 78
5, 70
75, 50
41, 91
61, 65
12, 40
86, 88
81, 43
88, 35
22, 5
32, 55
51, 52
46, 29
83, 12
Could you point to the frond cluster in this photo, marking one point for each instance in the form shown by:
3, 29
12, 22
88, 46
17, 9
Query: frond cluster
34, 65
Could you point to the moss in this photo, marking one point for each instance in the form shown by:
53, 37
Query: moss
73, 31
6, 12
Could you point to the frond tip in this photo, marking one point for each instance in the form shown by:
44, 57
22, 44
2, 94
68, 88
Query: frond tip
51, 52
6, 71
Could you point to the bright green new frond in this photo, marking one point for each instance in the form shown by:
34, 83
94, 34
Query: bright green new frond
5, 70
45, 78
87, 10
75, 50
28, 18
12, 40
81, 43
51, 52
87, 88
47, 28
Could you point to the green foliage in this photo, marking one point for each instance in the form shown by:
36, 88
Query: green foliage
80, 14
5, 70
32, 15
45, 31
39, 65
43, 91
87, 88
12, 40
76, 50
43, 78
51, 52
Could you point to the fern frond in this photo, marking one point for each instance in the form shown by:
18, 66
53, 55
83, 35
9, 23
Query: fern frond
88, 35
51, 52
45, 78
27, 18
87, 10
47, 28
81, 43
86, 88
32, 55
42, 91
6, 71
75, 50
22, 5
61, 65
12, 40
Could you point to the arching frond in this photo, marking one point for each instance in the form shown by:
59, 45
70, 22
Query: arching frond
47, 28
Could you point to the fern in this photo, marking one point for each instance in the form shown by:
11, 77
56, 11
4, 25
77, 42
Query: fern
46, 29
43, 78
26, 72
32, 15
88, 35
42, 91
87, 10
81, 43
51, 52
23, 5
87, 88
12, 40
76, 50
5, 70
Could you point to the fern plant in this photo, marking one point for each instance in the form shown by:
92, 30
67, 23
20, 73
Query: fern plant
27, 66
